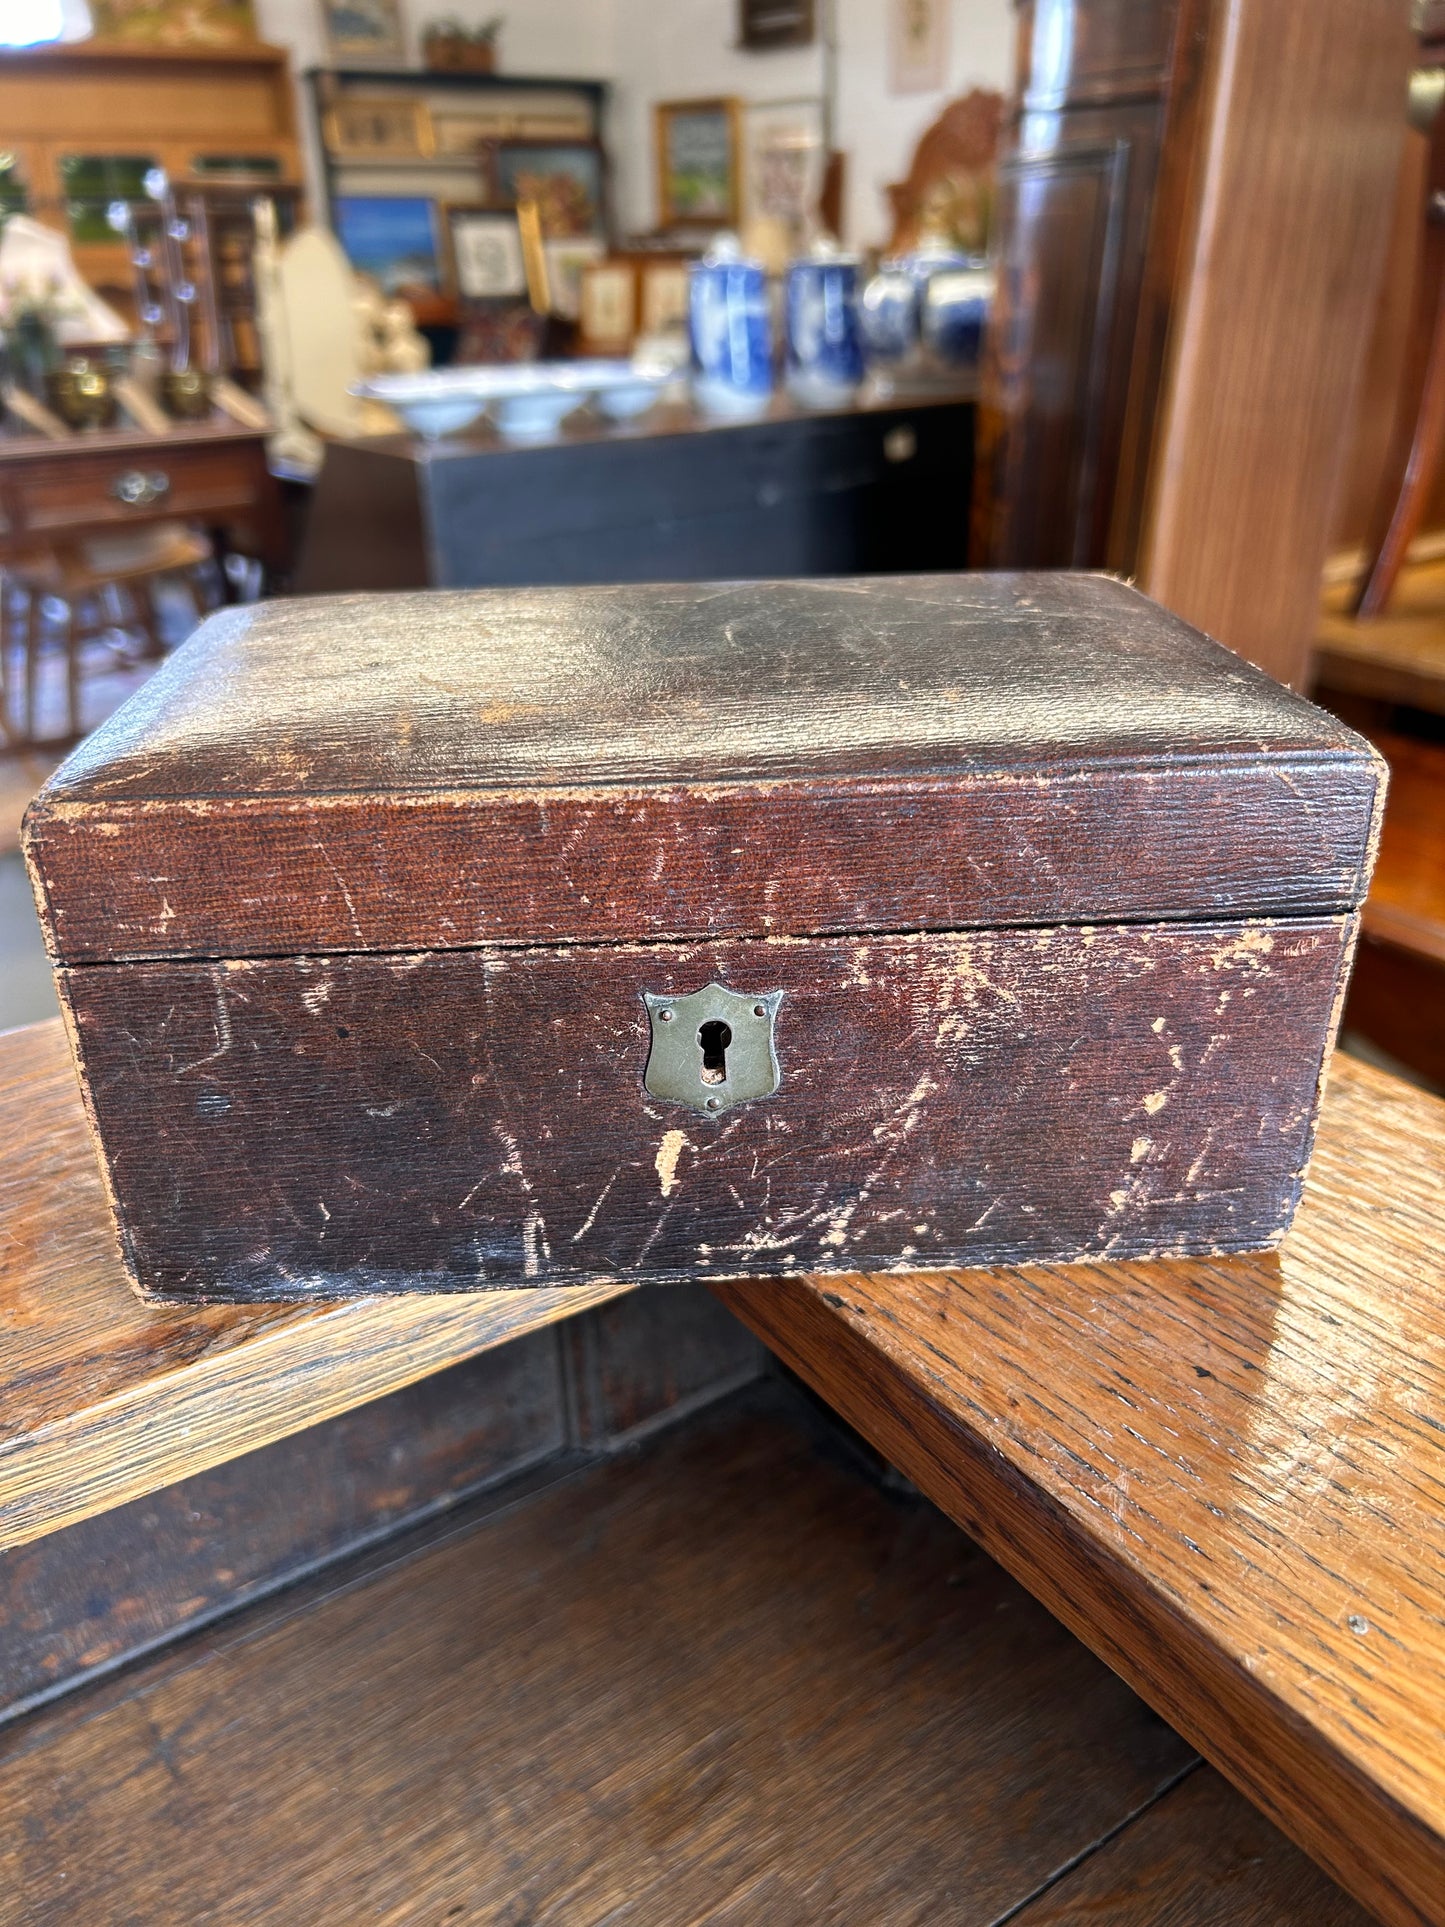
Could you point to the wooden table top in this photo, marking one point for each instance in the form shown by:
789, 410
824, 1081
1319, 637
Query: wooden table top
1227, 1477
102, 1398
19, 450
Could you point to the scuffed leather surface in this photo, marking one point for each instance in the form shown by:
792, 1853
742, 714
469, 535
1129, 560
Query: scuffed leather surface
661, 685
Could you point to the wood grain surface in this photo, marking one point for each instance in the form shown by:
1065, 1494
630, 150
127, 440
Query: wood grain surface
128, 1580
97, 1593
1397, 1002
1199, 1854
730, 1681
1227, 1477
102, 1399
299, 1127
1398, 657
1406, 905
405, 773
1303, 128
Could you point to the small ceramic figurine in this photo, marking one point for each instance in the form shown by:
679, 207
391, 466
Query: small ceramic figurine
388, 342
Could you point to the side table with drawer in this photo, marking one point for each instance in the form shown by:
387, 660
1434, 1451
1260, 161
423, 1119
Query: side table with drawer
53, 492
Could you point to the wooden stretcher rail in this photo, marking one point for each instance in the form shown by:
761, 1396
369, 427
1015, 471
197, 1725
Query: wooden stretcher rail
103, 1399
1226, 1477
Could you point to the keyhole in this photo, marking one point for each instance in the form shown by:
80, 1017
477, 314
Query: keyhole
714, 1036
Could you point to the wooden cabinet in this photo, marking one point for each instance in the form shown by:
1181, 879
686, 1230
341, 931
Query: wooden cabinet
83, 123
872, 490
1086, 217
1193, 206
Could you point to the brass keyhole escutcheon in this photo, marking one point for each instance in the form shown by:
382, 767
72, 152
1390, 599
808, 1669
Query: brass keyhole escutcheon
713, 1048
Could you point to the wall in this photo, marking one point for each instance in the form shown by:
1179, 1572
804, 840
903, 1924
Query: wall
539, 36
673, 49
577, 38
676, 49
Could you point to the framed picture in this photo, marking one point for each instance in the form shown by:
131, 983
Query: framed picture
664, 297
462, 132
362, 33
393, 238
567, 262
784, 160
764, 24
698, 163
164, 23
460, 135
565, 179
559, 124
484, 246
917, 46
609, 305
375, 128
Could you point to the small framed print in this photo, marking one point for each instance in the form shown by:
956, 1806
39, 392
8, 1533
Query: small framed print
699, 163
765, 24
484, 246
567, 262
608, 311
378, 128
783, 164
363, 33
918, 46
393, 238
664, 297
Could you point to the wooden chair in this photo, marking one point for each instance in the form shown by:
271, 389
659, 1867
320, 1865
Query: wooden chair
1419, 434
84, 582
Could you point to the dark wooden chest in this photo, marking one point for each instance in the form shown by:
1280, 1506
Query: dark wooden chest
448, 941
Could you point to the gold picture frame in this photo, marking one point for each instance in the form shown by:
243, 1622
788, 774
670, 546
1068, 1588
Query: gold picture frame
607, 310
378, 127
664, 296
459, 136
699, 162
363, 33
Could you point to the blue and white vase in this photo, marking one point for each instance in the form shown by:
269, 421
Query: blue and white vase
954, 308
888, 315
927, 309
732, 334
824, 339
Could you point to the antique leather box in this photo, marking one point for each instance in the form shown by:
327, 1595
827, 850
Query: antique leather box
434, 942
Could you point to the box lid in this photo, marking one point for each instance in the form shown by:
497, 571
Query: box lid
414, 772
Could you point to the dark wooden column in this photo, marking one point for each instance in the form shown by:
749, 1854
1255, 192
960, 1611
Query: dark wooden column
1193, 212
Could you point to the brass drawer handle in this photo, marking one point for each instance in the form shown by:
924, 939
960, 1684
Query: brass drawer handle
138, 490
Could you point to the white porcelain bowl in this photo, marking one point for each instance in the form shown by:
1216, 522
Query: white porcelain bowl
526, 400
532, 416
434, 416
629, 399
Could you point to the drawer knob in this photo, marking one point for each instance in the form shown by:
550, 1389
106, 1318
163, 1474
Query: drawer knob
138, 490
